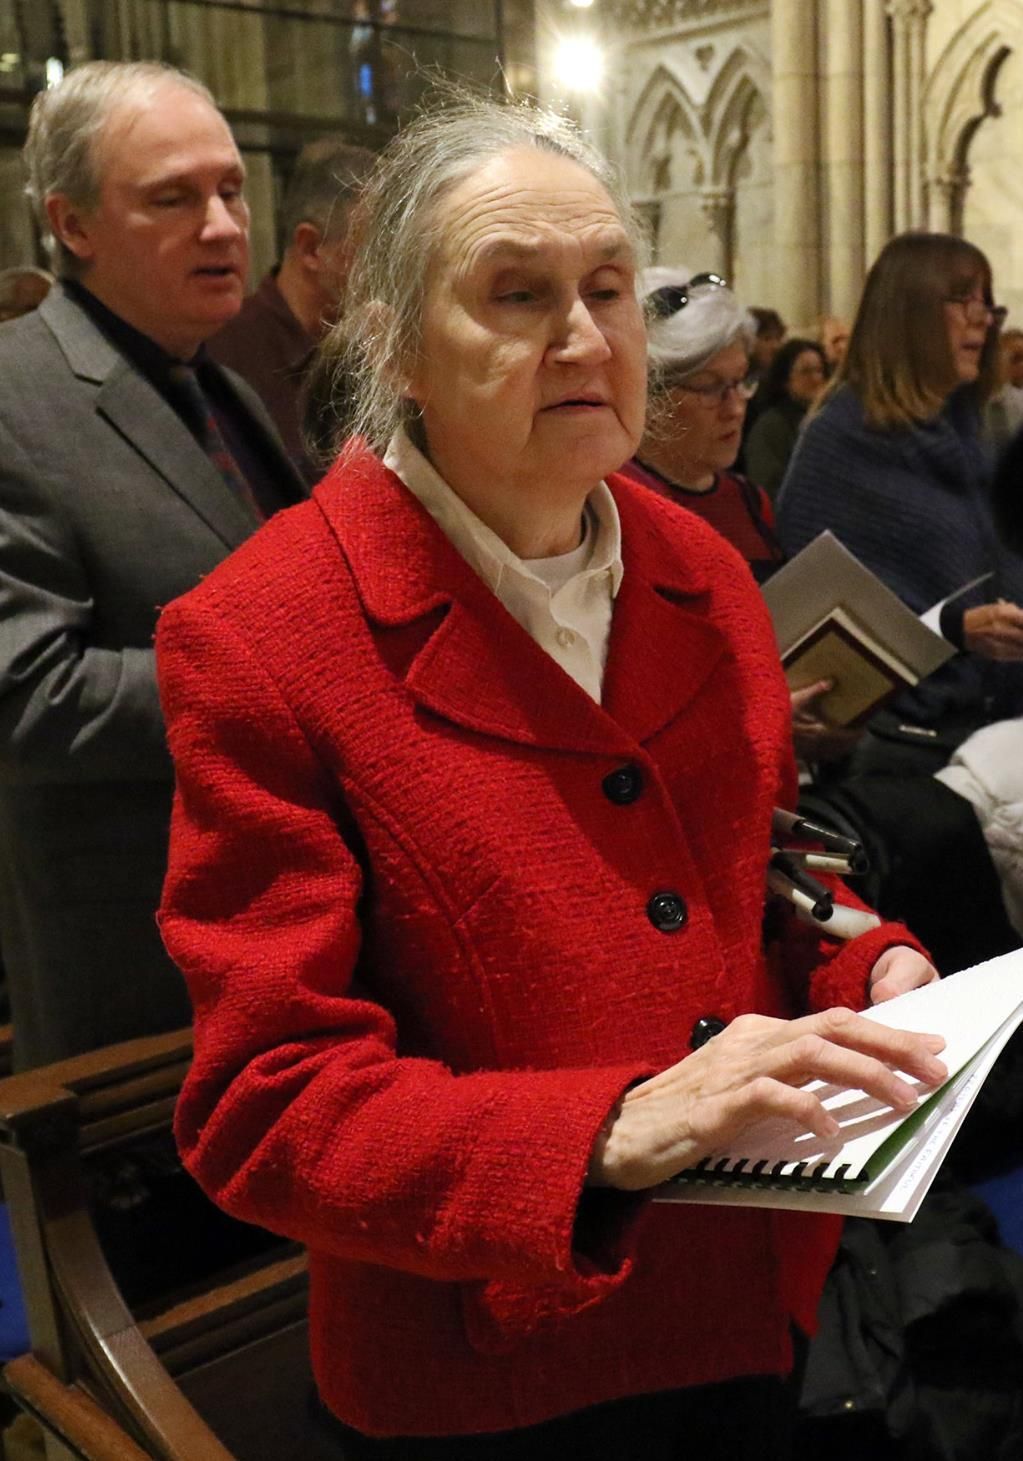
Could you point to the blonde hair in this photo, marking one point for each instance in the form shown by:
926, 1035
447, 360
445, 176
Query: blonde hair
899, 360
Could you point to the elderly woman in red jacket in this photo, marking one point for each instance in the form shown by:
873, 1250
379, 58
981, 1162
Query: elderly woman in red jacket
477, 754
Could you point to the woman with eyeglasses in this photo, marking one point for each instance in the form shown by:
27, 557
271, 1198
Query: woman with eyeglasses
699, 343
893, 465
797, 375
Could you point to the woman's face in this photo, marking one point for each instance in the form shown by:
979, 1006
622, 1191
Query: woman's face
806, 378
531, 376
967, 319
705, 423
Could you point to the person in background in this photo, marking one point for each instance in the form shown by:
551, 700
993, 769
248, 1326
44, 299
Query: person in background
893, 465
271, 340
794, 380
769, 336
22, 289
476, 756
769, 330
699, 344
1004, 414
834, 341
130, 465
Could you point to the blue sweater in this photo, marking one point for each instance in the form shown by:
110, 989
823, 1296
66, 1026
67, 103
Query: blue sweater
912, 504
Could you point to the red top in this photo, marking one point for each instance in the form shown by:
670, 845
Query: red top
418, 933
734, 506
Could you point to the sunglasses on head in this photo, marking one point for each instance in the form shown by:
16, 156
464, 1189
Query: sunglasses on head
670, 298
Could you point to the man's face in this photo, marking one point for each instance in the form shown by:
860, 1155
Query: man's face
166, 246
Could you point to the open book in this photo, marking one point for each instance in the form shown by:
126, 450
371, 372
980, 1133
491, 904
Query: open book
833, 619
881, 1163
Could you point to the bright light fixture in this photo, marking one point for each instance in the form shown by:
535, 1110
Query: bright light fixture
54, 72
579, 63
581, 4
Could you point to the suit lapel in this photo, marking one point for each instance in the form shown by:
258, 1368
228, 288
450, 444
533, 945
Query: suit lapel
147, 423
477, 667
144, 419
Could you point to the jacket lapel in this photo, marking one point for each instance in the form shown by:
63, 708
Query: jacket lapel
146, 422
476, 666
664, 645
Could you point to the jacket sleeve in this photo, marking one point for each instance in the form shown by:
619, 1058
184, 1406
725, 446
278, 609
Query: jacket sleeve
300, 1114
69, 710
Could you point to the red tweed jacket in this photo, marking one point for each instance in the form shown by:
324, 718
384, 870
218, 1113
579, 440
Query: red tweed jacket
415, 918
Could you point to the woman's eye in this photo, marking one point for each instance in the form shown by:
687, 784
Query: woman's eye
606, 294
516, 296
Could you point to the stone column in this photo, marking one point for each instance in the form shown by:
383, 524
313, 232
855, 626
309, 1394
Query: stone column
717, 206
909, 28
796, 223
843, 154
946, 194
920, 11
900, 113
877, 130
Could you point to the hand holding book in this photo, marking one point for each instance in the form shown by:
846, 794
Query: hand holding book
755, 1071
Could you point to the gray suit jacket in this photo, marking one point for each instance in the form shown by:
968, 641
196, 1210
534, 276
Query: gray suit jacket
109, 509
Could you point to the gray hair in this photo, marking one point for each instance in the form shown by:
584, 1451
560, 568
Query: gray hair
329, 175
64, 124
681, 343
398, 230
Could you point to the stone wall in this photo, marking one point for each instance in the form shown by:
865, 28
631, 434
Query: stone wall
783, 141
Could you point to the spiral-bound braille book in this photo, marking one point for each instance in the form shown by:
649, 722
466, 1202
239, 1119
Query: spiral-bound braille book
881, 1163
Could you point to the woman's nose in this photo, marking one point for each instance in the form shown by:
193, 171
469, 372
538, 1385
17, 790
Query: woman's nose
580, 338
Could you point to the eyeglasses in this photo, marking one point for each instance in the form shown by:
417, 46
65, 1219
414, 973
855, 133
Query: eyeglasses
978, 311
670, 298
718, 393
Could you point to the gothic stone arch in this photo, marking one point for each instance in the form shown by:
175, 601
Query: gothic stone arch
960, 94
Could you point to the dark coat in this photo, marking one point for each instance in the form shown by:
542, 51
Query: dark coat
912, 504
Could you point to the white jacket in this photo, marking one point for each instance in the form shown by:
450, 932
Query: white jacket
987, 770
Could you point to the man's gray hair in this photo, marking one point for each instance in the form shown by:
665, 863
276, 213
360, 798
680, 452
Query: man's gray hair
329, 174
398, 229
60, 153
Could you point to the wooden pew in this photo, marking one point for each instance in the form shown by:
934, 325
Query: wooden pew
147, 1307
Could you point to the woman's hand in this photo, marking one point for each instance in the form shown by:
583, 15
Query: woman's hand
994, 630
813, 738
897, 971
753, 1070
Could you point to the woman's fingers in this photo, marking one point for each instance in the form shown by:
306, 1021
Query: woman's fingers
754, 1070
814, 1058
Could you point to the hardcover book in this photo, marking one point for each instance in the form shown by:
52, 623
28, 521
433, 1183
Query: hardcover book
833, 619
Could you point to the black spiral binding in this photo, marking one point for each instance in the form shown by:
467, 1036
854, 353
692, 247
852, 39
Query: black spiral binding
724, 1172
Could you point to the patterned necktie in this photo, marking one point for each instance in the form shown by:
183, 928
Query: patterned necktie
192, 395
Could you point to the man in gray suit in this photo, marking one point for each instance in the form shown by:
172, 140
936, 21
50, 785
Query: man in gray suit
130, 465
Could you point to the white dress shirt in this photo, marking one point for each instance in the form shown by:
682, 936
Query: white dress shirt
564, 603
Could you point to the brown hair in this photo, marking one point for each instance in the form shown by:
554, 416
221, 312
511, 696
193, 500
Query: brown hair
899, 360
